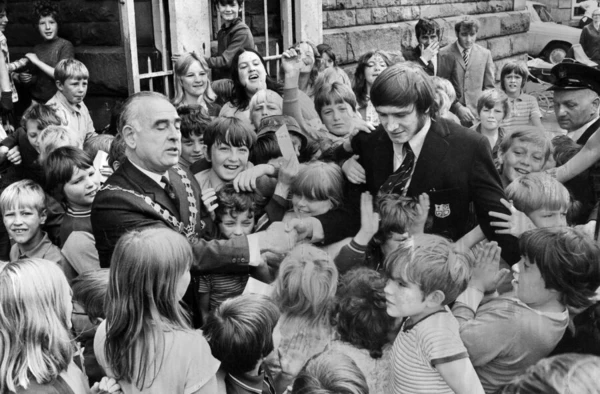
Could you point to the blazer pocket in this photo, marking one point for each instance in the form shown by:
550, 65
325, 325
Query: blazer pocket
447, 215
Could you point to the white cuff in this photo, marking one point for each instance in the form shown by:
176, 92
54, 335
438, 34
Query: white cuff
254, 249
317, 231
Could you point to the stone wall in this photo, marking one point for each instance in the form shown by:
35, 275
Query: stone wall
354, 27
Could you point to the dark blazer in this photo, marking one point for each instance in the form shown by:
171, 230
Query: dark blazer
454, 168
414, 55
586, 186
115, 212
469, 81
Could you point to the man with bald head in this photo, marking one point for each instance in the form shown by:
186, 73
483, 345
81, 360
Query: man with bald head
150, 190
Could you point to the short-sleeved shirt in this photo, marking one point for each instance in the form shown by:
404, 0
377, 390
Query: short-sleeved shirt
221, 287
419, 348
43, 250
523, 110
187, 363
75, 117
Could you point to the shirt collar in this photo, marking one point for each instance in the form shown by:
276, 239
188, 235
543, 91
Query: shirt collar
461, 49
576, 134
417, 141
63, 100
253, 384
152, 175
37, 251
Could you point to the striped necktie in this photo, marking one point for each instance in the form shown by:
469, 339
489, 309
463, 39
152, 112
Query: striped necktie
466, 57
398, 181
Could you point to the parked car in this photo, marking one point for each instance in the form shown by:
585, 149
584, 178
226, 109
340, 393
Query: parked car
548, 39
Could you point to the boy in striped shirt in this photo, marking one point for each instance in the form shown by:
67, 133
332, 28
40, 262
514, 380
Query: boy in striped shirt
428, 355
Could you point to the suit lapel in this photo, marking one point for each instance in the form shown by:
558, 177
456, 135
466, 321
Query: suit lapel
150, 188
432, 154
383, 159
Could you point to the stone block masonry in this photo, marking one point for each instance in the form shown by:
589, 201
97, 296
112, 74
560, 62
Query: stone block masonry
353, 28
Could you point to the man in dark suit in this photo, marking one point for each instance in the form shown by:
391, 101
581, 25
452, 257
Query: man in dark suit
426, 52
150, 190
413, 152
469, 67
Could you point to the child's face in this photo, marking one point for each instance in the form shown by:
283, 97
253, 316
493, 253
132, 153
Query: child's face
192, 148
491, 117
531, 288
548, 218
522, 158
229, 12
23, 224
48, 28
228, 161
3, 21
392, 242
73, 89
512, 83
307, 55
33, 133
239, 225
305, 207
375, 66
251, 72
195, 80
326, 61
81, 189
338, 118
262, 110
404, 299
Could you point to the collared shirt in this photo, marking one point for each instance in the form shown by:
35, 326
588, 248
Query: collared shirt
576, 134
462, 50
434, 62
75, 117
416, 144
44, 250
246, 383
153, 175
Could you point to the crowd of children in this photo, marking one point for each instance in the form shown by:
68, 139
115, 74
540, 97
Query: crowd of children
392, 309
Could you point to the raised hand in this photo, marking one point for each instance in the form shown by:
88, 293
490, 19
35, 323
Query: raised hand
430, 52
106, 385
14, 156
291, 61
418, 226
486, 274
514, 224
369, 220
209, 198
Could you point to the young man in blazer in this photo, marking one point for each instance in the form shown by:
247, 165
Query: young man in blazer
426, 52
469, 67
412, 152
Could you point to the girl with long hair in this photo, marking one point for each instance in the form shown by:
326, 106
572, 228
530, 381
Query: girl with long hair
192, 85
36, 348
146, 342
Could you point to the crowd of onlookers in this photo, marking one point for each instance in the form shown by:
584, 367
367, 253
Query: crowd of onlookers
302, 233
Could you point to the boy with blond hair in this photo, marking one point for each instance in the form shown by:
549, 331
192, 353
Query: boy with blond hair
72, 82
24, 212
428, 355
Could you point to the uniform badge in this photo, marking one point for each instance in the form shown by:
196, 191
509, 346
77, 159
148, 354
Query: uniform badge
442, 210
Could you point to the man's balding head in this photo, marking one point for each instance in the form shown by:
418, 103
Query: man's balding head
131, 108
575, 108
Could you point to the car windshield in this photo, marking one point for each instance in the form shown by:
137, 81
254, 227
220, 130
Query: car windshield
543, 13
